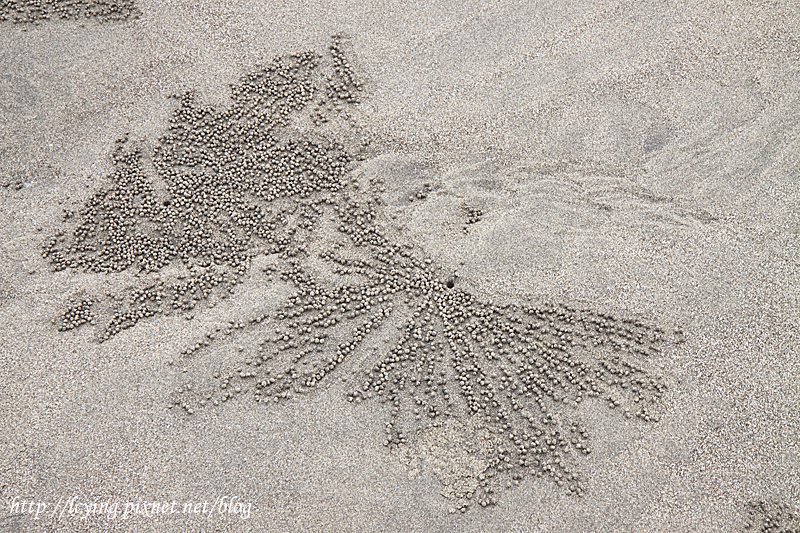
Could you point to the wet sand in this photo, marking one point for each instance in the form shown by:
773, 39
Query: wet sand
635, 158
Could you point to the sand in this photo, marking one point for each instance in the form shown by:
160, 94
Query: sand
638, 157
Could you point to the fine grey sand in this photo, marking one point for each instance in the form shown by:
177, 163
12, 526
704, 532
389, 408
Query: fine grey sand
632, 159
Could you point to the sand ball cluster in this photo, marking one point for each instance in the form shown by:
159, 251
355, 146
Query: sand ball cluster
271, 176
76, 315
472, 215
26, 11
771, 517
519, 370
228, 184
421, 193
344, 85
515, 371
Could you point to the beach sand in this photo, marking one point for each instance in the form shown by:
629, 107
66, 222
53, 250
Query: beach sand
637, 158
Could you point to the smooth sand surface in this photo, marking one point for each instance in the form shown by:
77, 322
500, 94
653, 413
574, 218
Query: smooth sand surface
638, 157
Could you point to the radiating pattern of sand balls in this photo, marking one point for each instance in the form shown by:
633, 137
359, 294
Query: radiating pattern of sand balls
270, 176
517, 371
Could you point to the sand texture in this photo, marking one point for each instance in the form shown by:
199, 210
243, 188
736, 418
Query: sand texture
450, 266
